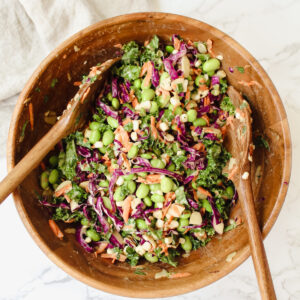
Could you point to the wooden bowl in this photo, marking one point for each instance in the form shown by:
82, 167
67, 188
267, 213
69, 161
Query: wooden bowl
67, 63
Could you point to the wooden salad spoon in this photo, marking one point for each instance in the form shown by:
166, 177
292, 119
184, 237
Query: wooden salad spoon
73, 117
239, 143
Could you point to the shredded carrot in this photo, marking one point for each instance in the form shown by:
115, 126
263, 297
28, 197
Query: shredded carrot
250, 83
63, 190
118, 46
153, 129
209, 47
187, 230
114, 256
101, 248
67, 198
206, 118
126, 161
203, 191
54, 227
176, 43
127, 208
86, 92
206, 101
31, 115
199, 147
146, 43
43, 166
180, 275
154, 178
77, 83
202, 87
195, 195
147, 67
122, 136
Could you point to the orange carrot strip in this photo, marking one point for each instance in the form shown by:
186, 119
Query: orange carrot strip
101, 248
127, 208
176, 43
31, 115
63, 190
204, 191
43, 166
180, 275
209, 47
54, 227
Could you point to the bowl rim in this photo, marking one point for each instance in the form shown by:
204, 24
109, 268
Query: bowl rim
175, 290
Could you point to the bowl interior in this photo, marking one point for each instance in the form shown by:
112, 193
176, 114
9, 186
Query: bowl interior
73, 59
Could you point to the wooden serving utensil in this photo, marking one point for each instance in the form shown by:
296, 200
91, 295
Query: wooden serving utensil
73, 117
239, 143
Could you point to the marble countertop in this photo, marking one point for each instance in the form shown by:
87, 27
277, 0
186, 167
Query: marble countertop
270, 31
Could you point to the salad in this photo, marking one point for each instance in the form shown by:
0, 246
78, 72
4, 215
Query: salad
145, 178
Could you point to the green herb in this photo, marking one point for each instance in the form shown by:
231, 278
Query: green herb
66, 215
260, 141
131, 53
53, 82
230, 227
77, 194
128, 127
139, 271
227, 105
132, 256
130, 72
22, 134
240, 69
37, 89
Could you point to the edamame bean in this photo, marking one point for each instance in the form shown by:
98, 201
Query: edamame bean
141, 224
146, 155
95, 136
187, 245
157, 152
192, 115
182, 223
145, 85
229, 192
129, 177
142, 191
151, 257
93, 234
54, 176
119, 195
163, 77
178, 110
137, 83
199, 122
206, 205
199, 79
112, 122
171, 167
104, 183
103, 150
175, 147
157, 163
169, 48
53, 160
211, 65
147, 201
108, 137
94, 125
155, 187
109, 96
147, 95
131, 185
133, 151
166, 184
163, 101
44, 180
157, 198
107, 203
185, 215
154, 107
84, 221
115, 103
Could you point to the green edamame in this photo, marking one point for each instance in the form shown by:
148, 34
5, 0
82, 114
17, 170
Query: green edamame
187, 245
147, 201
53, 161
54, 176
131, 185
182, 223
229, 192
145, 85
157, 163
93, 234
146, 155
178, 110
129, 177
119, 195
141, 224
199, 122
44, 180
150, 257
147, 95
112, 122
109, 96
115, 103
132, 153
185, 215
157, 198
211, 65
163, 101
107, 203
171, 167
169, 48
192, 115
104, 183
108, 137
95, 125
155, 187
95, 136
137, 83
142, 191
154, 107
166, 184
84, 221
206, 205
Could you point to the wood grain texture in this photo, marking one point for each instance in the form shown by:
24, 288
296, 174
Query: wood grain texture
96, 44
74, 116
238, 142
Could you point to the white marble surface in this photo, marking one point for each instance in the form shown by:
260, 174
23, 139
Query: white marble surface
270, 31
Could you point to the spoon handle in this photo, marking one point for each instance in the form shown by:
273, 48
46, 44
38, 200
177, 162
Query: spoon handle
30, 161
258, 253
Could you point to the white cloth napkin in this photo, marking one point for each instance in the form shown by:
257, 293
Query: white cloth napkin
30, 29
